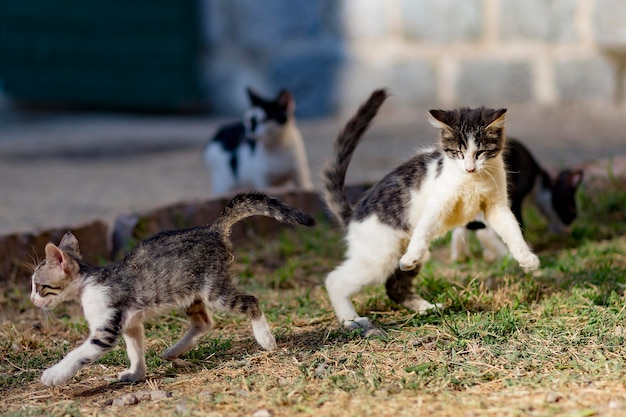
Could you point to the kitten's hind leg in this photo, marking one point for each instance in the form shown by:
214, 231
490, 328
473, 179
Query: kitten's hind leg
459, 249
493, 248
248, 304
400, 289
200, 325
346, 280
134, 339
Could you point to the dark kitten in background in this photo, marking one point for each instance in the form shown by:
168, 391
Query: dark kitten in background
264, 150
555, 197
188, 269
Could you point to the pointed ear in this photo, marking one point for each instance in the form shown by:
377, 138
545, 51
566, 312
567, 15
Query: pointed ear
69, 243
285, 99
54, 255
255, 99
439, 119
576, 177
496, 120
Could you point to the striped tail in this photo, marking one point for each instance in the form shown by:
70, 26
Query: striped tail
258, 204
334, 173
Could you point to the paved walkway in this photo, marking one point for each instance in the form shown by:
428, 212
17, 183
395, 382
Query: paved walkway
59, 169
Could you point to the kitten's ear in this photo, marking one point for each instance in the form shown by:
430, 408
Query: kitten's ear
255, 99
439, 119
575, 177
285, 99
54, 255
59, 259
496, 119
69, 243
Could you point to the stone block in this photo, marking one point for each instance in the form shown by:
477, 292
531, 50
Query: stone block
410, 83
365, 19
310, 73
265, 26
442, 21
413, 83
609, 29
131, 229
21, 251
494, 83
543, 20
585, 79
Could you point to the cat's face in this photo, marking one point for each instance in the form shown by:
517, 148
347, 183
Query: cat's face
564, 198
53, 280
470, 137
267, 118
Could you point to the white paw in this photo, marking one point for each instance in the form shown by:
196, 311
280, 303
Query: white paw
56, 375
266, 340
421, 306
412, 258
489, 255
363, 323
263, 334
129, 376
528, 261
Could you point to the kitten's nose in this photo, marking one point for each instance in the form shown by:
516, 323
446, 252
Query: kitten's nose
470, 170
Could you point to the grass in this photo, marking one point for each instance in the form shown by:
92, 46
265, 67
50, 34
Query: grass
551, 343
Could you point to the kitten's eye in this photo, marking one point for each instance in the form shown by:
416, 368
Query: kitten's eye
453, 153
478, 153
45, 290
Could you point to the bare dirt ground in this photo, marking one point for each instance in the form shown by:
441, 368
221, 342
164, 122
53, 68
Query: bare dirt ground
61, 169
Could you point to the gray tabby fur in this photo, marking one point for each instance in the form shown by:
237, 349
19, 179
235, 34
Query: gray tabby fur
188, 269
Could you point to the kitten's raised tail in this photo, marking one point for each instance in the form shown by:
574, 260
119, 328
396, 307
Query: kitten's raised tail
258, 204
334, 173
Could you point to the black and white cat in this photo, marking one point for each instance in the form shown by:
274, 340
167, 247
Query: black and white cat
554, 197
265, 150
390, 228
187, 269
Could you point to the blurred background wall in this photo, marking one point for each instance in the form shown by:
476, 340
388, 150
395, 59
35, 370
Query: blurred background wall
199, 55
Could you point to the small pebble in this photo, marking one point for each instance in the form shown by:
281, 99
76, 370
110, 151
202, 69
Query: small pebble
158, 395
554, 397
262, 413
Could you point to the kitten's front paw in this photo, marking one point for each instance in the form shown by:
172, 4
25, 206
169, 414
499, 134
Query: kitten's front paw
412, 258
56, 375
529, 262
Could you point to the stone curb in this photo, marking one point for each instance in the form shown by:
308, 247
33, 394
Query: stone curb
98, 244
21, 251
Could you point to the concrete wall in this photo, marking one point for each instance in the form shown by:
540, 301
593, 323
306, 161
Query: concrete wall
428, 52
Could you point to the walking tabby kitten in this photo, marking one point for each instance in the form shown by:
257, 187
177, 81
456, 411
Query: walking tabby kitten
187, 269
389, 229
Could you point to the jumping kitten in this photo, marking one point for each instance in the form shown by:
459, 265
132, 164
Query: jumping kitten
389, 230
555, 198
187, 269
265, 150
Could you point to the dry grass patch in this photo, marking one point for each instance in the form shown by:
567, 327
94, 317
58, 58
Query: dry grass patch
506, 344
